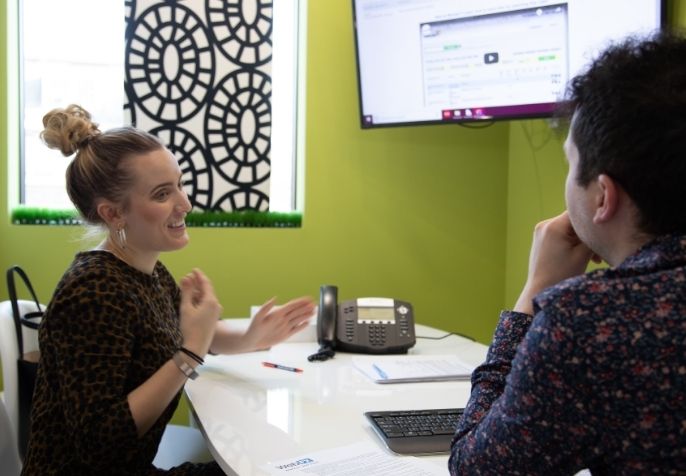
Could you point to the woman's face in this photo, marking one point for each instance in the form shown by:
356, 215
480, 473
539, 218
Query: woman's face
157, 205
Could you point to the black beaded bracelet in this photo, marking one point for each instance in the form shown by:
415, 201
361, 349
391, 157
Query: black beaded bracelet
192, 355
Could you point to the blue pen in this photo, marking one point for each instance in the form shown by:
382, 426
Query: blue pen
381, 373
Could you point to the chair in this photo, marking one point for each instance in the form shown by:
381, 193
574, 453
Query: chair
179, 443
9, 458
9, 352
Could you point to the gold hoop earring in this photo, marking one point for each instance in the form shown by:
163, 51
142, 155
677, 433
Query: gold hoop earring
121, 237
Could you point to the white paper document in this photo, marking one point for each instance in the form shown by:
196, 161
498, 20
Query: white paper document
354, 460
413, 368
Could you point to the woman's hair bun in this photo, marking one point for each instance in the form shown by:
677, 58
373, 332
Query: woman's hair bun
68, 129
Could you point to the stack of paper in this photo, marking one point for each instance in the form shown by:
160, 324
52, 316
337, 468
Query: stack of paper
360, 458
413, 368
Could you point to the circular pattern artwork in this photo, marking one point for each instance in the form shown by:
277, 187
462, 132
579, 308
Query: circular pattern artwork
189, 152
198, 77
241, 200
238, 127
169, 62
242, 29
129, 13
129, 109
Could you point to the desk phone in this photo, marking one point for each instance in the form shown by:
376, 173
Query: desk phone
365, 325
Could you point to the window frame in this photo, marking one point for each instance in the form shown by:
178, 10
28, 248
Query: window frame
294, 168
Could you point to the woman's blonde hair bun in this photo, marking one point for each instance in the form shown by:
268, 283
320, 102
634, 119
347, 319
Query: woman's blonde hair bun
68, 129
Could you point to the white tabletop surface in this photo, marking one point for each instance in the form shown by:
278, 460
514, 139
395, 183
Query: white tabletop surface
252, 415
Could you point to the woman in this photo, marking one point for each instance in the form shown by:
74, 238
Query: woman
120, 338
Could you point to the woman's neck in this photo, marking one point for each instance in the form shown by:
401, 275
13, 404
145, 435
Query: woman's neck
141, 261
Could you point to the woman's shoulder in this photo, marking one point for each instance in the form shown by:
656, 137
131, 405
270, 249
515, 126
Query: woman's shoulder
94, 298
92, 289
97, 272
100, 276
92, 266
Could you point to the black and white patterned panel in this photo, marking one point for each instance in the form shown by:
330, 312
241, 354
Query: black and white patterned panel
198, 75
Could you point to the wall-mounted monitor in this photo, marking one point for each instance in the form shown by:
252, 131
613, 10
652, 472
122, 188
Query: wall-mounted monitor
453, 61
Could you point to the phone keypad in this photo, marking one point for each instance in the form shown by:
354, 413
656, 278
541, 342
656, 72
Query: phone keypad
377, 335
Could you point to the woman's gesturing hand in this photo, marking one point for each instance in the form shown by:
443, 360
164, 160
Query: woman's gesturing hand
199, 312
273, 324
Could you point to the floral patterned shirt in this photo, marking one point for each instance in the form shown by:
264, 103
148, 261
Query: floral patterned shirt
596, 379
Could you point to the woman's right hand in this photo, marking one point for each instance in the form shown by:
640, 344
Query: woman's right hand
200, 310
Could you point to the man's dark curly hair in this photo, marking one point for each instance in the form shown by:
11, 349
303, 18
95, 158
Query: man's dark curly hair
630, 124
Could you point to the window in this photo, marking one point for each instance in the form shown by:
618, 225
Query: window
63, 64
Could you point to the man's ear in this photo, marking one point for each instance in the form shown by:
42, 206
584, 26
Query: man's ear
110, 213
607, 202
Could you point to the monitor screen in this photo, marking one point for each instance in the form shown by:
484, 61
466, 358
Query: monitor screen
454, 61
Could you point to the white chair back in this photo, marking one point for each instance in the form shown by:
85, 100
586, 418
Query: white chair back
9, 353
9, 456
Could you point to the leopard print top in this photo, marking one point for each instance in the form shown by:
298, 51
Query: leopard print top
108, 328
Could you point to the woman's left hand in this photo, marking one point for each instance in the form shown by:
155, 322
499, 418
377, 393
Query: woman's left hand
273, 324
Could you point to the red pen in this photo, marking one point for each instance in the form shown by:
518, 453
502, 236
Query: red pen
282, 367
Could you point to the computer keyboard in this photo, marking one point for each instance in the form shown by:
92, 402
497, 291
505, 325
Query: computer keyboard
416, 431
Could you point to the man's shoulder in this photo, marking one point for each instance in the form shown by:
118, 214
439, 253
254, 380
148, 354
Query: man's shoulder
576, 290
611, 292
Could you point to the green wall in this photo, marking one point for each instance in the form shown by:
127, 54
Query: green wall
537, 171
415, 213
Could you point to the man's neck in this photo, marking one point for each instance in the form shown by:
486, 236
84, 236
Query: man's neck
620, 249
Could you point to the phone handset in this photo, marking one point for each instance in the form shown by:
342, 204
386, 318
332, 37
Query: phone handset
326, 323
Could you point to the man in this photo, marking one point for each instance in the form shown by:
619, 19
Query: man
589, 370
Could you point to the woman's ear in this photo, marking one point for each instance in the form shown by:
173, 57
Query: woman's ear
110, 213
607, 202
